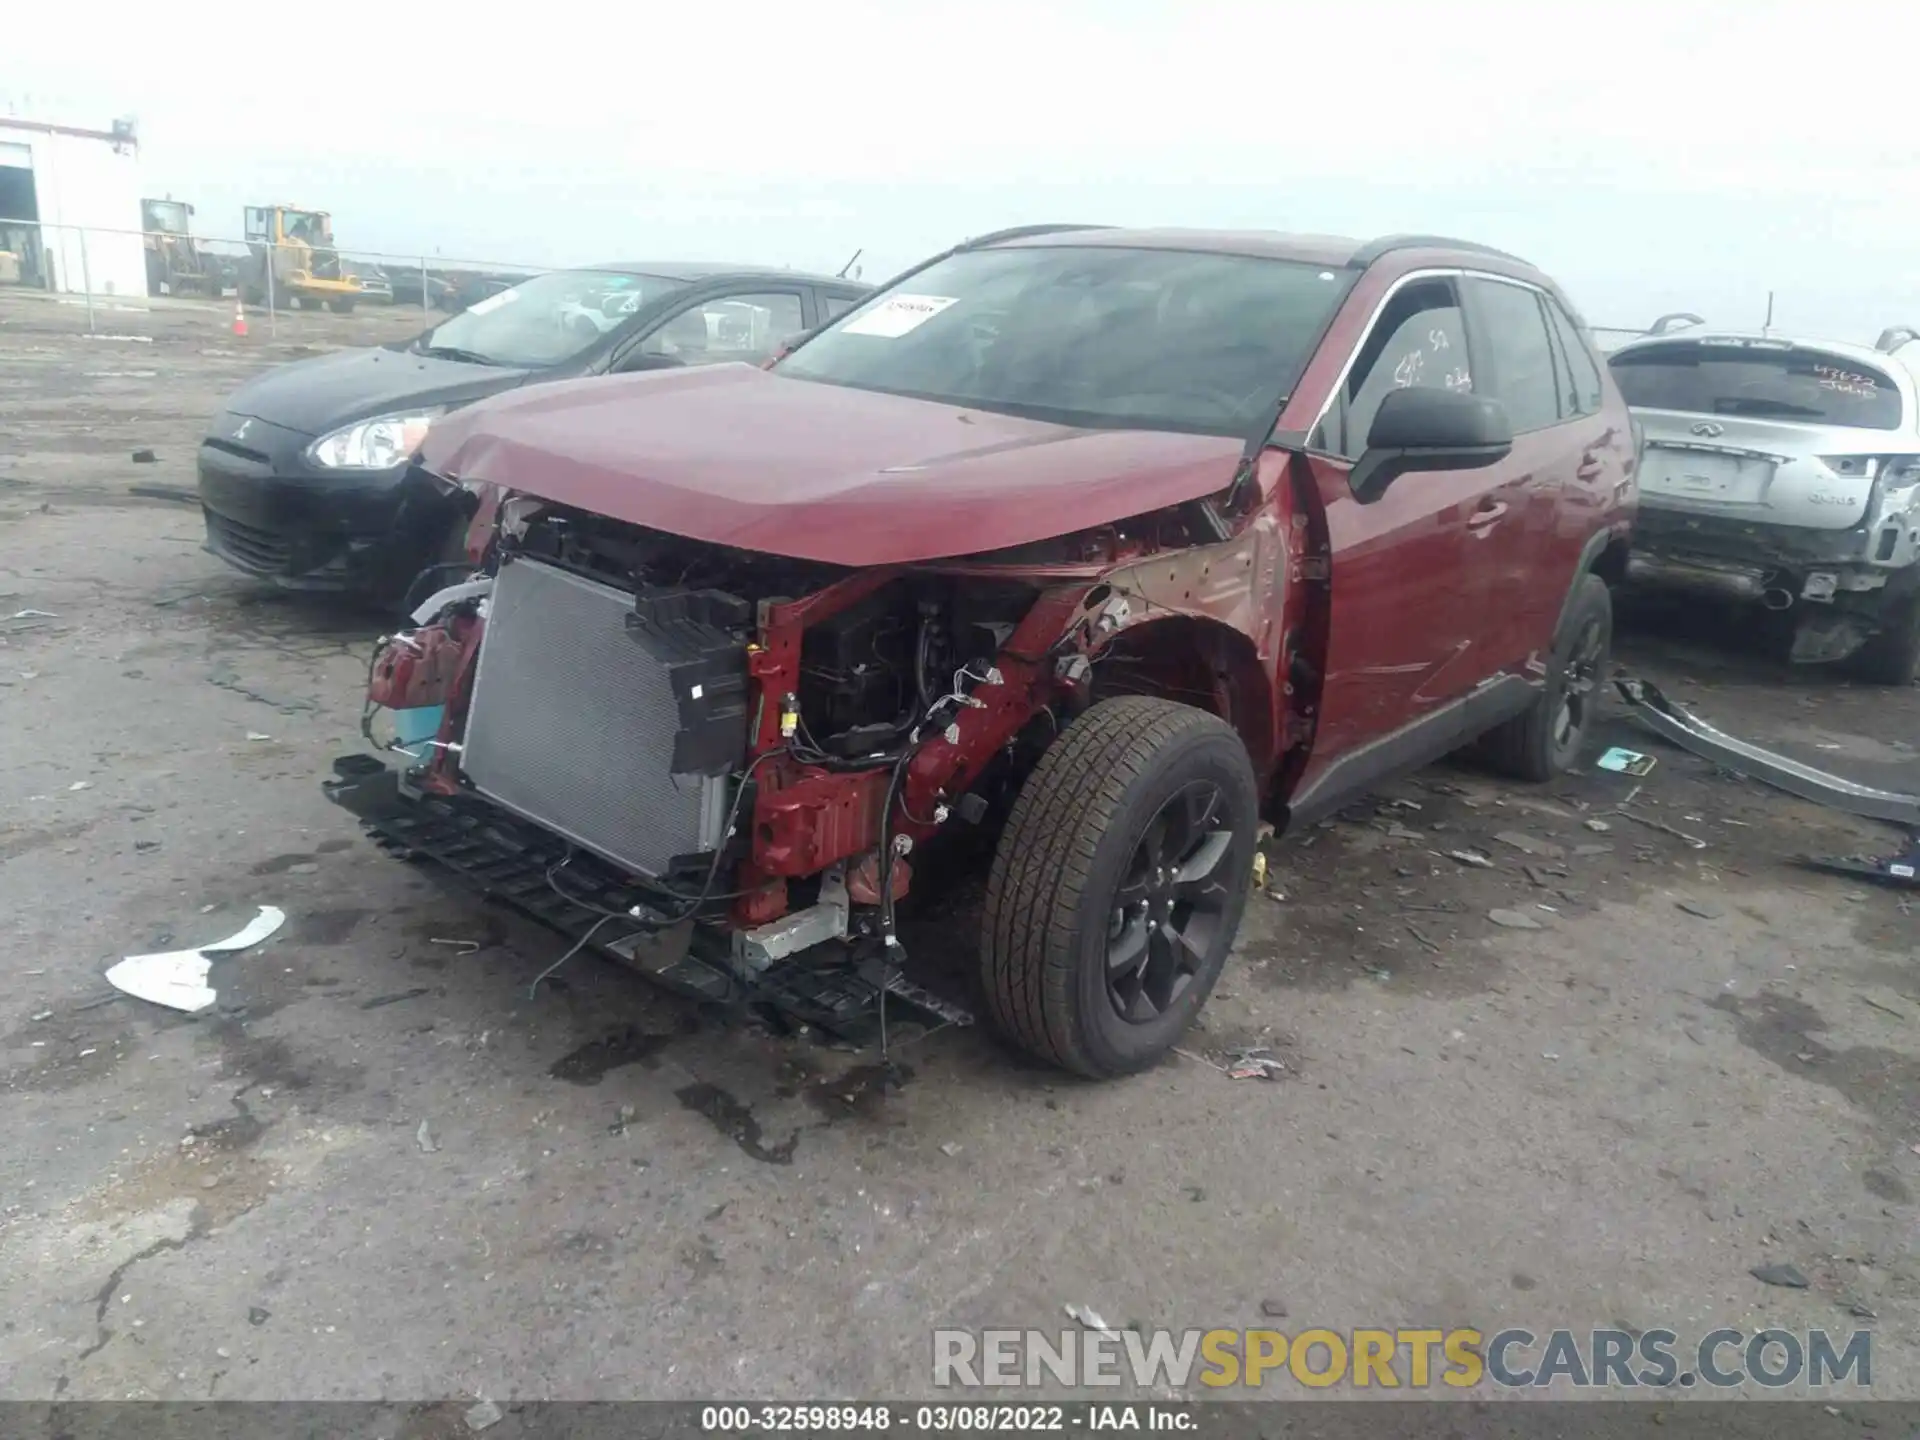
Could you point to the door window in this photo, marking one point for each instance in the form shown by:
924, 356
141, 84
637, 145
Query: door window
832, 307
1583, 395
729, 327
1520, 360
1418, 340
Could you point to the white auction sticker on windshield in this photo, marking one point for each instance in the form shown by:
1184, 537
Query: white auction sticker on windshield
493, 302
897, 314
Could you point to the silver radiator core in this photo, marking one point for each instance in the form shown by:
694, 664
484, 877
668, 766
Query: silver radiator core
572, 724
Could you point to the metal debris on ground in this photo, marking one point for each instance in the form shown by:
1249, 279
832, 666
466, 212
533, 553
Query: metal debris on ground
949, 1149
1514, 919
33, 615
483, 1416
1089, 1317
258, 735
1530, 844
1901, 868
81, 785
1599, 827
1883, 1007
1784, 1276
1254, 1063
1689, 732
1625, 762
466, 947
177, 979
1701, 908
1471, 857
1693, 842
1414, 931
423, 1137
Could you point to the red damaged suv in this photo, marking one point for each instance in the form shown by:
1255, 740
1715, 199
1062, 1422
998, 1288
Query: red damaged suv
1077, 548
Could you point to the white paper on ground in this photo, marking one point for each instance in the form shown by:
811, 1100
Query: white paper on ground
178, 978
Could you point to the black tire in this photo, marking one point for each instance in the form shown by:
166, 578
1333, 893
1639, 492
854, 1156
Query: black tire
1892, 655
1126, 779
341, 307
1543, 740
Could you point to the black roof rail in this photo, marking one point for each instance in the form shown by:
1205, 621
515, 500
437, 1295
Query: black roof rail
1673, 321
1022, 232
1893, 337
1374, 249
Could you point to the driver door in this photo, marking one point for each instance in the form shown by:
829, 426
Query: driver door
1409, 594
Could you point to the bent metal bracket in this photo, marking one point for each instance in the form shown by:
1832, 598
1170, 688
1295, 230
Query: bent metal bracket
1675, 723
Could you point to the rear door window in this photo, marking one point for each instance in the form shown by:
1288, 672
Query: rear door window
1582, 382
1521, 370
1761, 379
832, 307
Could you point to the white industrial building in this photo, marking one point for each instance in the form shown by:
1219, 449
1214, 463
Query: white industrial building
60, 183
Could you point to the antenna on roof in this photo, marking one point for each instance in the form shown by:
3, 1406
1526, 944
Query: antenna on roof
1892, 338
849, 265
1767, 324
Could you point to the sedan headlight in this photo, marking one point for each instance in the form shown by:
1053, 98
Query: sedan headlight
377, 444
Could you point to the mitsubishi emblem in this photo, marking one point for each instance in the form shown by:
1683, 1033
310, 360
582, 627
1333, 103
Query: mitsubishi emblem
1709, 430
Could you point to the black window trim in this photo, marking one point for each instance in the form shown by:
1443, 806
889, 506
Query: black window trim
1555, 306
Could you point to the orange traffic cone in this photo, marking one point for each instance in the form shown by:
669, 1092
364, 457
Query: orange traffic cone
239, 318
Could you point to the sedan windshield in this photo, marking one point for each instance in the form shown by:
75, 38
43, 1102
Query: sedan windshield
1088, 336
546, 320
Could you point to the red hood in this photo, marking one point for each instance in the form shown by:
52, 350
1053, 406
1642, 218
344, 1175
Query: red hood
738, 456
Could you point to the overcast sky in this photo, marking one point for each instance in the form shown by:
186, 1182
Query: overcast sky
1691, 154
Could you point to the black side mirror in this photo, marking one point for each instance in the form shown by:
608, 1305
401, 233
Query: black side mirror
1429, 429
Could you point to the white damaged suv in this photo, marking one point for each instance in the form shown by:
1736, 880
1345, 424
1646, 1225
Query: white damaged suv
1785, 472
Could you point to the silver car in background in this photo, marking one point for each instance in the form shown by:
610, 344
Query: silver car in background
1786, 472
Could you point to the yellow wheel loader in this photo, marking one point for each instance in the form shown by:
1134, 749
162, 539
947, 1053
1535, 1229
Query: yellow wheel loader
295, 249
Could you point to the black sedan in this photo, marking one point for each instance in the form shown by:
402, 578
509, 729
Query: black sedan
306, 476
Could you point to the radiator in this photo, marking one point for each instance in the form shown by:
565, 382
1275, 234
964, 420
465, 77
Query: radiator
572, 724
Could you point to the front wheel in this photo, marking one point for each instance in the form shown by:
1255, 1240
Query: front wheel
1545, 738
1118, 885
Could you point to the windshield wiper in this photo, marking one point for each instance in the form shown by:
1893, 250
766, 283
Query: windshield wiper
454, 352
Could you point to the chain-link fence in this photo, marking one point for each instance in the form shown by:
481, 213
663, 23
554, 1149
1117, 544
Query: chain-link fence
286, 264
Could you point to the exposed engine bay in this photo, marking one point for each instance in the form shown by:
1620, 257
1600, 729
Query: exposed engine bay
723, 760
